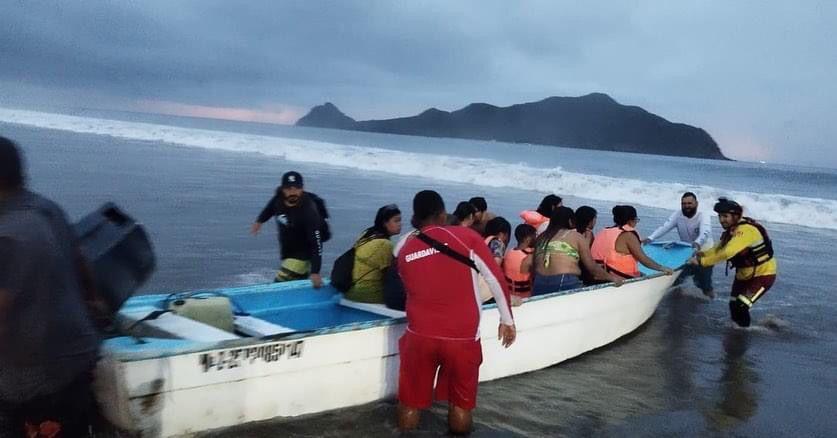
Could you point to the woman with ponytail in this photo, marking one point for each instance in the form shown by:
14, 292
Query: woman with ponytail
559, 252
373, 255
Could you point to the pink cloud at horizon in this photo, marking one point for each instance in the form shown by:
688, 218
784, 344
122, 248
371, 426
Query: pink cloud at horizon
282, 115
745, 147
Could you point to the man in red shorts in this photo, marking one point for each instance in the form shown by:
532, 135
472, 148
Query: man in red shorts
439, 266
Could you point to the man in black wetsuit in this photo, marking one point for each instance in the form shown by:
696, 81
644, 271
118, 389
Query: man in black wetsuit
301, 220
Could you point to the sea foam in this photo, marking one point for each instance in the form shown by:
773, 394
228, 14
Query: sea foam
780, 208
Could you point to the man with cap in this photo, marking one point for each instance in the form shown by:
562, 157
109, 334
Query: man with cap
440, 266
48, 341
746, 247
301, 219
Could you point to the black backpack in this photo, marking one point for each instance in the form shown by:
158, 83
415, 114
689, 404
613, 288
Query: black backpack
394, 295
325, 230
341, 272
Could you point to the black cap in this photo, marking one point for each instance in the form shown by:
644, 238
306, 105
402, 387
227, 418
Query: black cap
725, 205
292, 179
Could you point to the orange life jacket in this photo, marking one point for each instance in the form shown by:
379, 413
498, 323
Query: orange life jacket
604, 252
533, 218
520, 283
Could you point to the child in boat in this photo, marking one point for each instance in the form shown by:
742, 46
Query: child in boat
497, 236
520, 282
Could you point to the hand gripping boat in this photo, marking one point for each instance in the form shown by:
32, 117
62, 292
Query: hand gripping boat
219, 358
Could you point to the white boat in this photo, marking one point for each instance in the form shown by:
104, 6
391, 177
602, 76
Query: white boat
295, 350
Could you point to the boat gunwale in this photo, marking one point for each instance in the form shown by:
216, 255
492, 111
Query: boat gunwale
199, 347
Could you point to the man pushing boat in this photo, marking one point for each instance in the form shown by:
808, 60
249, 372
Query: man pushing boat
746, 247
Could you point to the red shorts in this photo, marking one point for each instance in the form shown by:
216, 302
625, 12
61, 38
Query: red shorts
749, 291
458, 363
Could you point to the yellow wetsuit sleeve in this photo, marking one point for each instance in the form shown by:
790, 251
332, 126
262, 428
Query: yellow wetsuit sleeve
745, 236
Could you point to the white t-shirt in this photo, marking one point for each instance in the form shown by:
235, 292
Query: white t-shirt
400, 243
697, 228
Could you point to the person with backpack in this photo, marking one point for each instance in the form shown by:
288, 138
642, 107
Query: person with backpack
302, 220
359, 272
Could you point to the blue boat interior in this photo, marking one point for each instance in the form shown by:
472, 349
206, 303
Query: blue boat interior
270, 311
273, 311
669, 254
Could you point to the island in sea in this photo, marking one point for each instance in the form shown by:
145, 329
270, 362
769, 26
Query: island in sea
594, 121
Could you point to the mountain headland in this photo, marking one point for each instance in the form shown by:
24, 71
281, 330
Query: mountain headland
594, 121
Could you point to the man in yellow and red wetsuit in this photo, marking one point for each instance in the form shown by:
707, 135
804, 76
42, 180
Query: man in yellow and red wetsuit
746, 247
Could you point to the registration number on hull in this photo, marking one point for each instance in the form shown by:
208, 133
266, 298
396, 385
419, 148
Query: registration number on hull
244, 356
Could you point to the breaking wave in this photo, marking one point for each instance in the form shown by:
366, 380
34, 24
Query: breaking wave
794, 210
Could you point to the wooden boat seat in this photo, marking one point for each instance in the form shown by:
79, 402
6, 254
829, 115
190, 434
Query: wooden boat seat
170, 325
379, 309
256, 327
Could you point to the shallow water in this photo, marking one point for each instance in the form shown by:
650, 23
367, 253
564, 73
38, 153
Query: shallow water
688, 371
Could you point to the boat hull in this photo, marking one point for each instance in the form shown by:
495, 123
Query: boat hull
240, 381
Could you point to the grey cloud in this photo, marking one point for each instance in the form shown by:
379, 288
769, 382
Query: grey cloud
740, 69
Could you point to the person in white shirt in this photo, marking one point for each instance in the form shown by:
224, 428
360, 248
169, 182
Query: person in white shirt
693, 227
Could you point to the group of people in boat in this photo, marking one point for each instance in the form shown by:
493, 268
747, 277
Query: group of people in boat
443, 270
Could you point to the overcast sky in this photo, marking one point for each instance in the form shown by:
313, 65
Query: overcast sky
758, 76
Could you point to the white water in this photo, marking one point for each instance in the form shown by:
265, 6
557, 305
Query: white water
794, 210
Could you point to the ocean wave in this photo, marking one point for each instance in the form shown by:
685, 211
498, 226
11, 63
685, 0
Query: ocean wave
787, 209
